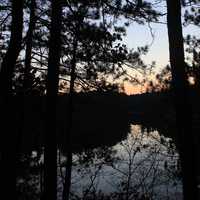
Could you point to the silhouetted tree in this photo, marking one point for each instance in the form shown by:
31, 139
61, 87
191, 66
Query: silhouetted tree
162, 81
27, 77
50, 150
181, 99
10, 58
87, 51
29, 45
192, 48
192, 17
8, 145
94, 57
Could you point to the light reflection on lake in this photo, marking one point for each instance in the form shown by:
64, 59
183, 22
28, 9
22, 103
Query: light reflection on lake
142, 166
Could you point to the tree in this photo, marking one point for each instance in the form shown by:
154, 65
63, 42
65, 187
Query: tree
192, 48
50, 151
8, 157
181, 99
192, 42
90, 55
9, 60
92, 50
29, 45
191, 15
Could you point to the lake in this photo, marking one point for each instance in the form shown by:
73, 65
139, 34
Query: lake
121, 149
142, 165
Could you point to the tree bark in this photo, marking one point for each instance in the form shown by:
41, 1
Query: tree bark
29, 45
50, 151
9, 61
67, 183
181, 100
8, 130
26, 81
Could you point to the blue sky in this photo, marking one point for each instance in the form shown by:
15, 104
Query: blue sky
140, 35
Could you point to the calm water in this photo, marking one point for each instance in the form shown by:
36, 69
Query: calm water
142, 165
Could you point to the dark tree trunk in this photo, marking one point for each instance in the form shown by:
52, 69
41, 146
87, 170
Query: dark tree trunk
50, 151
29, 45
185, 133
67, 183
8, 121
9, 61
26, 82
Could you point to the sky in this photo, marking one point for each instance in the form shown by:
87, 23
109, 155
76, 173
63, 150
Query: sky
140, 35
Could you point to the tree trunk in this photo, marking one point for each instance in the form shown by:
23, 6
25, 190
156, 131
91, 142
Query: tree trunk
67, 183
9, 61
8, 130
50, 151
181, 100
26, 82
29, 45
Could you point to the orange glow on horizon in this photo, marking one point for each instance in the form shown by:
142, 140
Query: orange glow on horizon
133, 89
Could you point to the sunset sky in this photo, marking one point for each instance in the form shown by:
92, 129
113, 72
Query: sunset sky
140, 35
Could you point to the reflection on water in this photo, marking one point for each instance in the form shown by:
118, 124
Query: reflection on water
142, 166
